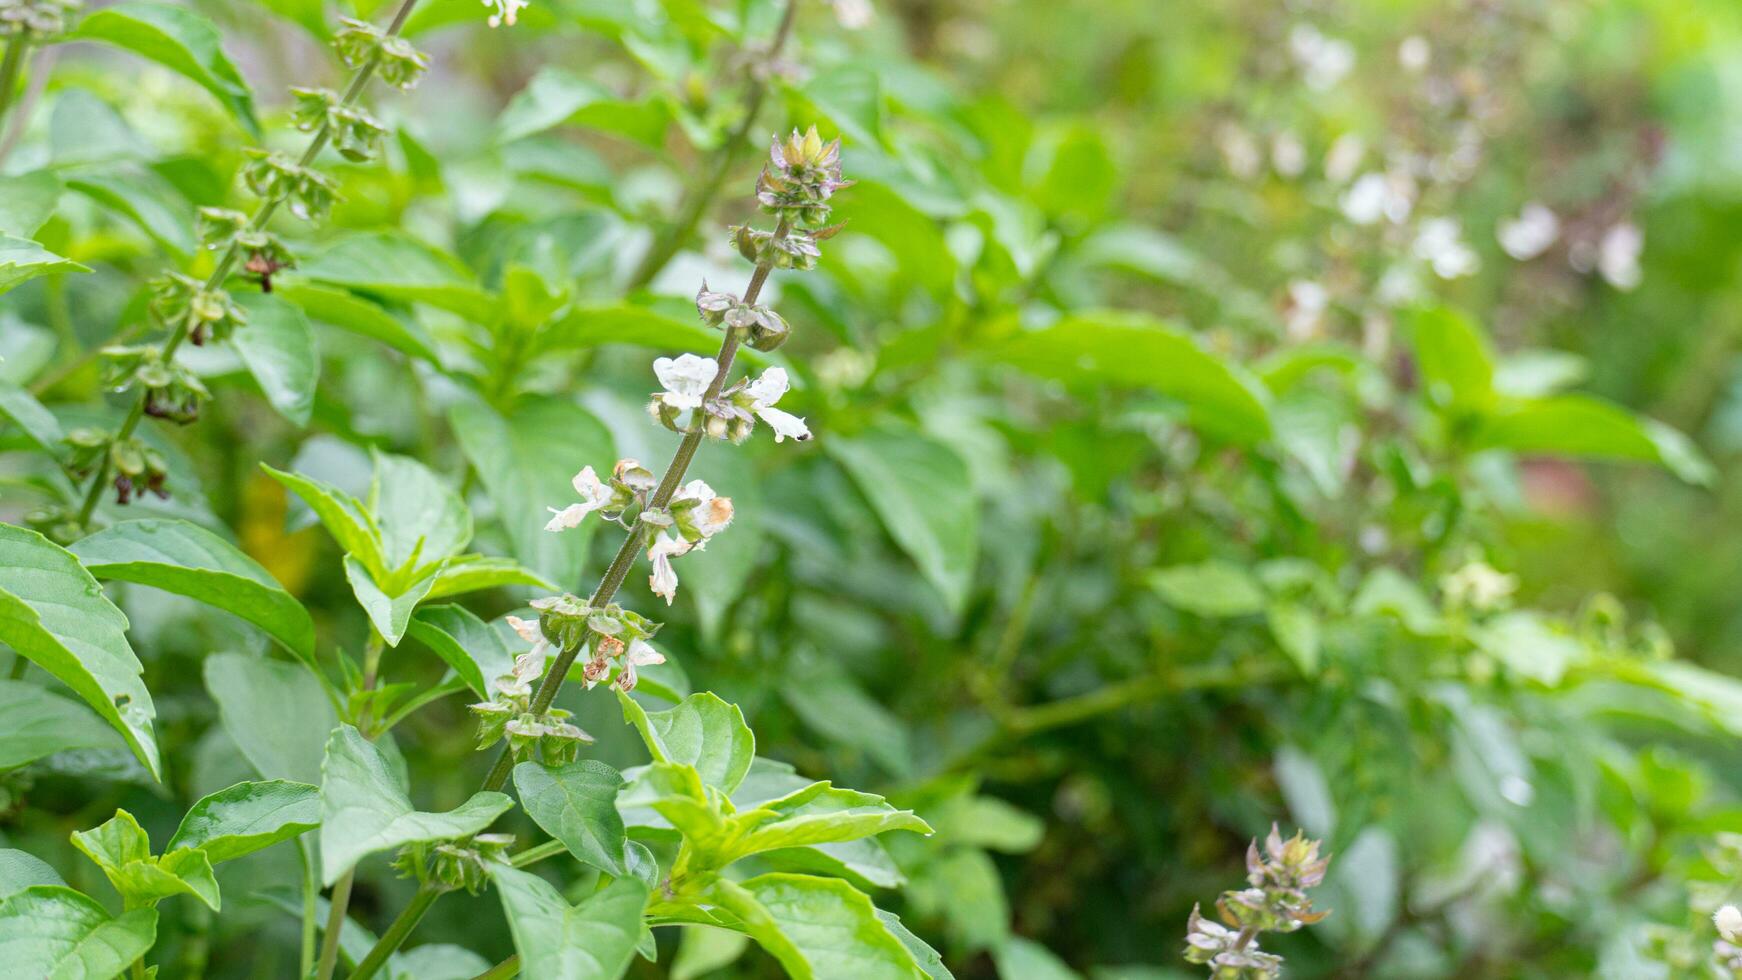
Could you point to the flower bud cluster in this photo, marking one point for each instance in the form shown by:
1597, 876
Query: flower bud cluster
171, 391
509, 716
802, 174
1275, 901
138, 468
400, 65
308, 193
763, 328
455, 864
354, 132
263, 255
206, 314
609, 638
42, 17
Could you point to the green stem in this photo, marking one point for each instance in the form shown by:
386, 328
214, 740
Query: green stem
18, 666
227, 261
509, 967
11, 66
533, 855
396, 933
311, 890
337, 906
700, 197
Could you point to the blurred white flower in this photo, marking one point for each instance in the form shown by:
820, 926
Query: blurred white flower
1287, 154
853, 14
685, 379
1306, 307
764, 392
1239, 151
1618, 255
1729, 922
1413, 53
1531, 233
507, 11
1379, 195
594, 495
1440, 244
1344, 156
1323, 60
1478, 586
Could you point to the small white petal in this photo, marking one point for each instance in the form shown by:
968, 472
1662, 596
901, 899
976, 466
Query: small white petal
570, 516
769, 388
527, 629
686, 376
642, 654
785, 424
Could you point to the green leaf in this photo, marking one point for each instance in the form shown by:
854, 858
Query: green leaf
1213, 588
474, 573
145, 198
248, 817
417, 512
184, 558
341, 309
988, 822
829, 701
279, 349
930, 963
39, 425
276, 712
56, 933
27, 201
594, 940
178, 39
35, 722
1580, 425
818, 928
1529, 644
822, 814
1296, 629
526, 461
1019, 957
364, 810
703, 949
922, 491
20, 870
466, 643
702, 731
556, 96
390, 614
577, 804
122, 850
343, 515
22, 261
399, 267
1136, 351
1457, 371
53, 613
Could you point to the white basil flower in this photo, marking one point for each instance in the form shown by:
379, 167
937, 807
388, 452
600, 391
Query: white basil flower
531, 632
1729, 922
1440, 244
507, 11
663, 581
1618, 255
594, 495
685, 379
641, 654
711, 514
764, 392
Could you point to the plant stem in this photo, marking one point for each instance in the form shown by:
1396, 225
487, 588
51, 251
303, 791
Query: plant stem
608, 586
11, 134
701, 196
336, 909
509, 967
397, 932
227, 261
311, 890
11, 65
533, 855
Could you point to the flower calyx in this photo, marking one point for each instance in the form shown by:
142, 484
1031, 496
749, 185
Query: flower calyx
205, 313
763, 328
172, 392
454, 865
400, 64
263, 254
354, 132
308, 193
44, 18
